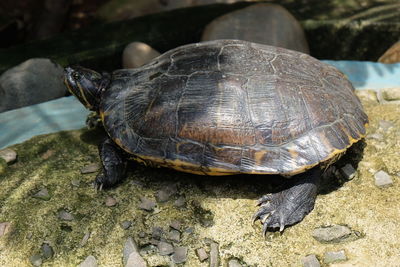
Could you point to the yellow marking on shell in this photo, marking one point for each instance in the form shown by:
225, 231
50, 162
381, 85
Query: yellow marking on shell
259, 155
118, 142
293, 153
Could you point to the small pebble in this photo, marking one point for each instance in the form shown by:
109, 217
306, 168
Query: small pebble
85, 239
76, 183
130, 253
135, 260
201, 254
126, 224
234, 263
180, 254
311, 261
175, 225
4, 228
90, 261
91, 168
174, 235
147, 204
66, 216
47, 251
382, 179
385, 125
46, 155
9, 155
165, 248
110, 201
42, 194
214, 255
348, 171
376, 136
36, 260
157, 233
166, 192
332, 234
334, 256
180, 202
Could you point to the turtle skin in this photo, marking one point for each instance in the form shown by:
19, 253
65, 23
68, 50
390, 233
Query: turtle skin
229, 107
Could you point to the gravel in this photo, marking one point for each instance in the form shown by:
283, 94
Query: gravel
84, 239
165, 248
126, 224
214, 255
334, 234
383, 179
90, 261
234, 263
91, 168
180, 202
4, 228
166, 192
42, 194
175, 225
147, 204
334, 256
311, 261
36, 260
348, 171
47, 251
174, 236
201, 254
65, 215
131, 256
110, 201
180, 254
9, 155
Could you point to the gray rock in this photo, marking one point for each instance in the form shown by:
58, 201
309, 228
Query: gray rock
180, 202
147, 204
348, 172
90, 261
9, 155
234, 263
36, 260
214, 255
137, 54
334, 256
165, 248
131, 256
91, 168
157, 233
201, 254
47, 251
4, 228
126, 224
390, 94
180, 254
110, 201
84, 239
33, 81
175, 225
260, 23
334, 234
382, 179
65, 215
174, 235
43, 194
310, 261
166, 192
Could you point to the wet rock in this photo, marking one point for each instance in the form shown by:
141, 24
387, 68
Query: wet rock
385, 125
180, 254
214, 255
47, 251
234, 263
382, 179
126, 224
137, 54
131, 256
9, 155
42, 194
36, 260
84, 239
166, 192
269, 24
175, 225
91, 168
65, 215
180, 202
147, 204
90, 261
4, 228
390, 94
110, 201
392, 55
174, 235
311, 261
165, 248
33, 81
201, 254
348, 172
334, 256
334, 234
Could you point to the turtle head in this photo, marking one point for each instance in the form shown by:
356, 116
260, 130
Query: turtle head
86, 85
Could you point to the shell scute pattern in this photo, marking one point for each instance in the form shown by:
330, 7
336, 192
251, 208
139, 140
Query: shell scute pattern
230, 106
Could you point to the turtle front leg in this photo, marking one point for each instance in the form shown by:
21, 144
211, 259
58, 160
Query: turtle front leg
113, 165
291, 205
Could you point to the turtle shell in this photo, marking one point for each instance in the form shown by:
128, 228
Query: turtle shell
230, 106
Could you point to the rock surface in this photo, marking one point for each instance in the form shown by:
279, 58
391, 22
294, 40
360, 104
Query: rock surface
9, 155
334, 256
311, 261
268, 24
33, 81
392, 55
383, 179
137, 54
333, 234
90, 261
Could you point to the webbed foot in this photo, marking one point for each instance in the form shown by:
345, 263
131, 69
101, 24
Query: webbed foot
291, 205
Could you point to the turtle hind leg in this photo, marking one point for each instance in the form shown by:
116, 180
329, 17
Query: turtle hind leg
290, 205
113, 165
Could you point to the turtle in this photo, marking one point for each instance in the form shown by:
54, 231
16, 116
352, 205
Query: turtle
227, 107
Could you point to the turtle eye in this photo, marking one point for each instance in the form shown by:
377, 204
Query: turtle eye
76, 76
